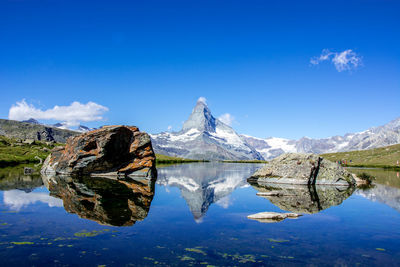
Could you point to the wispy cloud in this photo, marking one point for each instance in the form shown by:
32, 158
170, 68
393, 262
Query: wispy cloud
227, 118
343, 61
70, 115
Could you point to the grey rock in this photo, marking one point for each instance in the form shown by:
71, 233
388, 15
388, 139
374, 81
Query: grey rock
28, 171
28, 141
294, 168
271, 217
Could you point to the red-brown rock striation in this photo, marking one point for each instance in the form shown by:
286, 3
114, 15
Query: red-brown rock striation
110, 151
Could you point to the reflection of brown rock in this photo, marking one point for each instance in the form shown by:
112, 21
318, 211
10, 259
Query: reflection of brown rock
111, 150
303, 198
106, 201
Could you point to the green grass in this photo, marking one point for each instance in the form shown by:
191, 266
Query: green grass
13, 153
384, 157
163, 159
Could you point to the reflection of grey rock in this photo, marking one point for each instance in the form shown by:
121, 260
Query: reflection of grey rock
106, 201
293, 168
202, 184
384, 194
303, 198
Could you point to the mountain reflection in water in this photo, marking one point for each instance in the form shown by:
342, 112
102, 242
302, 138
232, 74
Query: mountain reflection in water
104, 200
202, 184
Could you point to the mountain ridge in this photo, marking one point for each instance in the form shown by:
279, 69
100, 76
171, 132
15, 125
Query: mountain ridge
374, 137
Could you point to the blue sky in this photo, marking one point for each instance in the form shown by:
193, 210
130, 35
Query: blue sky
148, 62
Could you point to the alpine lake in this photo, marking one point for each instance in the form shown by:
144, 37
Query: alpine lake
195, 214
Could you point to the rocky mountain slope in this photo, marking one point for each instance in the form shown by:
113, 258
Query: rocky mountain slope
204, 137
32, 130
272, 147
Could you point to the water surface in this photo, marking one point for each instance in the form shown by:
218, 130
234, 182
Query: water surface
195, 214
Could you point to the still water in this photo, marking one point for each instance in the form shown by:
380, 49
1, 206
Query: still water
195, 214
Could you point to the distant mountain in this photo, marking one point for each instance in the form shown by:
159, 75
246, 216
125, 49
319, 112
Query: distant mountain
25, 130
84, 129
60, 125
80, 128
388, 134
204, 137
31, 120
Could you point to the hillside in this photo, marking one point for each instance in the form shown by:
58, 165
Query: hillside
377, 157
14, 152
25, 130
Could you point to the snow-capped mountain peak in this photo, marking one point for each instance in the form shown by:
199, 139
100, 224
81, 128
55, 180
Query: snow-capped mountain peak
200, 119
204, 137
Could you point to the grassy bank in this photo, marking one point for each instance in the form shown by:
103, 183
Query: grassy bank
244, 161
163, 159
14, 152
384, 157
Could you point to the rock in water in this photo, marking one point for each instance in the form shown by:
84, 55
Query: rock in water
110, 151
294, 168
271, 217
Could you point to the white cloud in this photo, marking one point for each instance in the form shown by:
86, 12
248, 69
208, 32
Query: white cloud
202, 99
225, 202
70, 115
17, 199
346, 60
169, 128
227, 118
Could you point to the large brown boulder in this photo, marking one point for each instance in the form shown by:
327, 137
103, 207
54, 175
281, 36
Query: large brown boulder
110, 151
